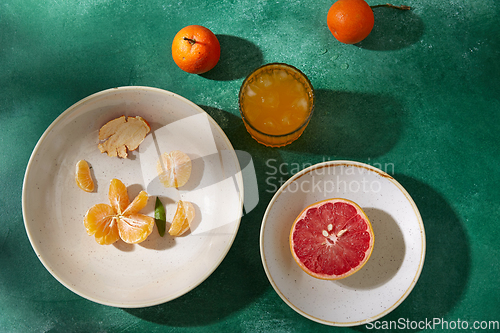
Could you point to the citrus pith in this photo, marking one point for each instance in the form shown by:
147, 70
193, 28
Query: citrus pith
331, 239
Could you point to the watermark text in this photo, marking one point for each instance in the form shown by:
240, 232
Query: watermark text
434, 324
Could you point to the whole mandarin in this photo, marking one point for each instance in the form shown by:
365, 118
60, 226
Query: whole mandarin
350, 21
195, 49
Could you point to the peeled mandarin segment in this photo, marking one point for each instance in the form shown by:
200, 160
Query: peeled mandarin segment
96, 216
183, 168
100, 221
108, 239
183, 217
174, 168
118, 196
137, 204
109, 236
135, 228
83, 177
165, 170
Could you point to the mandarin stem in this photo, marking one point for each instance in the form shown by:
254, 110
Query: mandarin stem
402, 7
192, 41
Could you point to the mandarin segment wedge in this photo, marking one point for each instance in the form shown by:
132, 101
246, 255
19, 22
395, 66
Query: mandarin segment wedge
83, 176
183, 217
118, 196
100, 222
174, 168
137, 204
135, 228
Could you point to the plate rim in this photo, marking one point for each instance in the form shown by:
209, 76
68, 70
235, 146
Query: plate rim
67, 113
335, 163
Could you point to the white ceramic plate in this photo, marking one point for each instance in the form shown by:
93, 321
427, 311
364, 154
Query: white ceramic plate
393, 268
160, 268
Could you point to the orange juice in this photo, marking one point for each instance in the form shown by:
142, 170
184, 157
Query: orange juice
276, 103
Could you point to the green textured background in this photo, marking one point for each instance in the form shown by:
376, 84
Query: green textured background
420, 94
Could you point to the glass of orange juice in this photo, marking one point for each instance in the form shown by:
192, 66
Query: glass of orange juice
276, 103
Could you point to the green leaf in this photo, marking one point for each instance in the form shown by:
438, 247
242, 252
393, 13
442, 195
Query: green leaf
160, 217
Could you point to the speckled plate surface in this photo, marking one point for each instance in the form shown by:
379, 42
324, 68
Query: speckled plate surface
393, 268
160, 268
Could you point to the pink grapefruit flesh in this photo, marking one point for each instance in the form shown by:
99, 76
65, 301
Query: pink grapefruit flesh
331, 239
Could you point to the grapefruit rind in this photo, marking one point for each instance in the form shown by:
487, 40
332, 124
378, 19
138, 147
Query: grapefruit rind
353, 269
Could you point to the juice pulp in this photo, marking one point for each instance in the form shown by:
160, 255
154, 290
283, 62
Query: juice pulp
276, 102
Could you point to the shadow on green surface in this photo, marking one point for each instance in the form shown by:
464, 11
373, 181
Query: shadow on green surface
240, 278
352, 125
387, 257
238, 281
238, 59
393, 30
447, 262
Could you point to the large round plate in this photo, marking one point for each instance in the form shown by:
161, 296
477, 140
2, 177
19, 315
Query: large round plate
393, 268
160, 268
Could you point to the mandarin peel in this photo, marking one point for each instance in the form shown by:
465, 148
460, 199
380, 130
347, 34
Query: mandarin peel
122, 133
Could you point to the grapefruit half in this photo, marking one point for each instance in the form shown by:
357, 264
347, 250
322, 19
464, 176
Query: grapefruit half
331, 239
